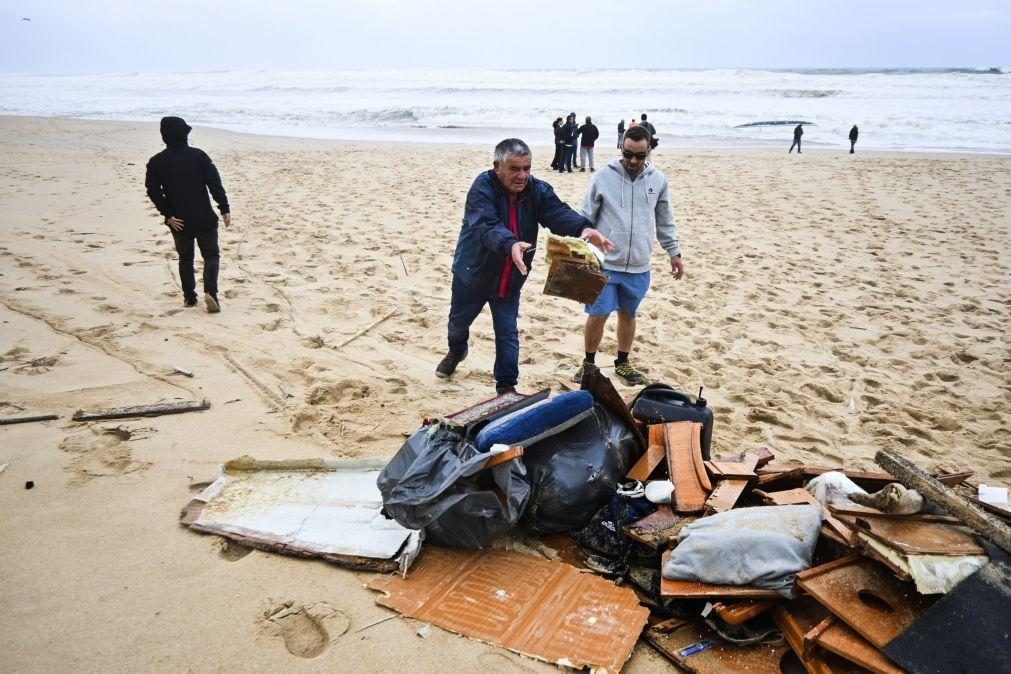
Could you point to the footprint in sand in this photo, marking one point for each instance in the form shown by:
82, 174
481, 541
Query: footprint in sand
307, 629
231, 550
100, 452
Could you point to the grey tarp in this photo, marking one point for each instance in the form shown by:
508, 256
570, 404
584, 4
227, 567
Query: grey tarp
763, 547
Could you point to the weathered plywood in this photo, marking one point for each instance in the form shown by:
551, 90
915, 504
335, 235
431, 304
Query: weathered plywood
529, 605
684, 463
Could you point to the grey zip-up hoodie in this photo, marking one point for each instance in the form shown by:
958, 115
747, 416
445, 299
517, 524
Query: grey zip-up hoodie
632, 214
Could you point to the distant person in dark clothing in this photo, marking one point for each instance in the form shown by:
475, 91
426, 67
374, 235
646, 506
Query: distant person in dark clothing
569, 132
798, 131
589, 134
854, 134
653, 142
621, 131
557, 128
178, 179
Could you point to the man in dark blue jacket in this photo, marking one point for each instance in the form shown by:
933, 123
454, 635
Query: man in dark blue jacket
494, 252
178, 179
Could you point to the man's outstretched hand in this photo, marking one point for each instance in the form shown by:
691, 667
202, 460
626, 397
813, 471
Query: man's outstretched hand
597, 239
518, 249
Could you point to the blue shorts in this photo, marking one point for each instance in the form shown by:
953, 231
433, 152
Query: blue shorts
623, 291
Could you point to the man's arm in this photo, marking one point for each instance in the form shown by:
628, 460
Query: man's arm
213, 181
558, 217
666, 226
152, 181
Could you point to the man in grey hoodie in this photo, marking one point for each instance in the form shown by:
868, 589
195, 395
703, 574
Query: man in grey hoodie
628, 202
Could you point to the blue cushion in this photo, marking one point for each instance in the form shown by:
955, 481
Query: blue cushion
539, 421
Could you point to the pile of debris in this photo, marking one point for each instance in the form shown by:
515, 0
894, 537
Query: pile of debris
721, 564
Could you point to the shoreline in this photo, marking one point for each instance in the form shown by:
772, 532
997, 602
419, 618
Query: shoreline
489, 136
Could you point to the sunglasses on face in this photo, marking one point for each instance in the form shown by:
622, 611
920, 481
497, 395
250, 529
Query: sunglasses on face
639, 156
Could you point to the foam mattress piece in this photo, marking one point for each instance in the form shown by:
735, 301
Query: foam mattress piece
536, 422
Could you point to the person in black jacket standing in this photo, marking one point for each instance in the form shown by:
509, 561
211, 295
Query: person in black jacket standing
854, 134
621, 132
589, 134
557, 127
178, 179
798, 131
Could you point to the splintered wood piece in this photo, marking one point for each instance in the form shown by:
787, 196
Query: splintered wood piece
696, 648
684, 461
839, 638
765, 479
603, 391
24, 420
543, 609
689, 589
653, 456
866, 596
919, 538
745, 468
143, 410
508, 455
725, 496
914, 478
657, 529
742, 611
795, 620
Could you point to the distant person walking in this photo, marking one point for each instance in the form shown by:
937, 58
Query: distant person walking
621, 131
798, 131
589, 133
854, 134
178, 179
653, 141
556, 126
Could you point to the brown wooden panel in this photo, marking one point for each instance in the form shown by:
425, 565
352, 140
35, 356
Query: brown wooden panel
683, 448
841, 639
653, 456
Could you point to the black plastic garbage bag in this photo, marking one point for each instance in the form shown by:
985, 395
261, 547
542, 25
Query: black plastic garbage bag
572, 474
436, 483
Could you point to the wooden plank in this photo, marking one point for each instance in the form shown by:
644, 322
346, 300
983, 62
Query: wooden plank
795, 621
742, 611
143, 410
508, 455
841, 639
652, 457
914, 478
687, 589
920, 538
683, 447
725, 496
24, 420
766, 479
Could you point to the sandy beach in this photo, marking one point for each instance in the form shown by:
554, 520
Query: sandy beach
833, 305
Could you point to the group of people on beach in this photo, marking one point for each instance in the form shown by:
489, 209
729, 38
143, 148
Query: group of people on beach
626, 208
570, 134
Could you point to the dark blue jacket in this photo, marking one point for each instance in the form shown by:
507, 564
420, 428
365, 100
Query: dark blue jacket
486, 241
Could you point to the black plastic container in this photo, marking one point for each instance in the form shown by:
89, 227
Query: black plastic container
660, 404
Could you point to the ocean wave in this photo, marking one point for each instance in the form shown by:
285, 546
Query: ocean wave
806, 93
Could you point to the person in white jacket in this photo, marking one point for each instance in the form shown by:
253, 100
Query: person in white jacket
628, 202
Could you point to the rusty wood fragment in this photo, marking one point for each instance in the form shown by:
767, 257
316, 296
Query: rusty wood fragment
24, 420
742, 611
914, 478
508, 455
839, 638
725, 496
143, 410
681, 440
651, 458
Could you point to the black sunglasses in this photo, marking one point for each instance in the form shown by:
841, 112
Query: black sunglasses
641, 156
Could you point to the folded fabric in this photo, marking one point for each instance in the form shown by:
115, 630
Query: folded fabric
536, 422
763, 547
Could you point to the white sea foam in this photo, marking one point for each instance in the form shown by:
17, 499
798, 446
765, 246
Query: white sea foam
900, 109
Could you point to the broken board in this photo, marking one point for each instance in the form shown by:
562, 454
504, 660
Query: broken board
690, 589
543, 609
866, 595
306, 508
839, 638
652, 457
685, 466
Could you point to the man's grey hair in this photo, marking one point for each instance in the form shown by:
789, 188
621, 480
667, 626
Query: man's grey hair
511, 147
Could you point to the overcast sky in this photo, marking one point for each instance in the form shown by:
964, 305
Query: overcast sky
115, 36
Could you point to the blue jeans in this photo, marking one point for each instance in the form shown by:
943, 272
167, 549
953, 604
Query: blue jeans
465, 306
568, 152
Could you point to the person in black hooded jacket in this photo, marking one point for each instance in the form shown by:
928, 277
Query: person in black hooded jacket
178, 179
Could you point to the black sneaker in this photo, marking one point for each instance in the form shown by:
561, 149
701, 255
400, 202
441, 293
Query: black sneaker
190, 302
447, 366
212, 304
582, 170
502, 389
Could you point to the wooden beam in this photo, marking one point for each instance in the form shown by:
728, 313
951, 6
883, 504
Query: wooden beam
24, 420
143, 410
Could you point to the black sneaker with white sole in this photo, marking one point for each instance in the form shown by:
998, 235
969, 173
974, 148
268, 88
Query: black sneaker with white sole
447, 366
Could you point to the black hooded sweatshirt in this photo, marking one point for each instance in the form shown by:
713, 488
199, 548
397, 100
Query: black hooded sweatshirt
179, 177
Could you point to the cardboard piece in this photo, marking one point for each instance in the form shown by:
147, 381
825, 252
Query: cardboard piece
696, 648
306, 508
543, 609
684, 464
687, 589
866, 596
